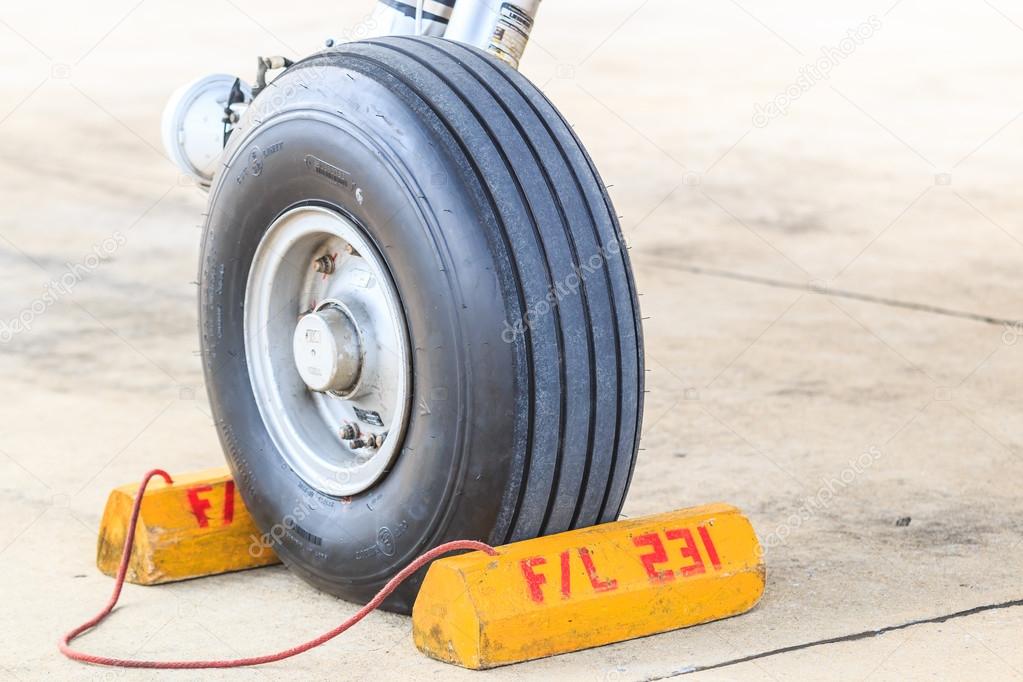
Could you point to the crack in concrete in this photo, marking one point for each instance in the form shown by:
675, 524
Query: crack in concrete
838, 293
865, 634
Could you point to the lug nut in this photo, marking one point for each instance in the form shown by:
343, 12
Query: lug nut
324, 264
349, 431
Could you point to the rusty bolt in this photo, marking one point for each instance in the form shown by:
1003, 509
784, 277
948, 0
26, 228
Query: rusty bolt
357, 444
349, 431
324, 264
378, 440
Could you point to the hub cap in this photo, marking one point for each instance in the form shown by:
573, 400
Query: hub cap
327, 350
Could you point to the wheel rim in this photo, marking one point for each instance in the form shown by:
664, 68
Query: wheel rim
327, 349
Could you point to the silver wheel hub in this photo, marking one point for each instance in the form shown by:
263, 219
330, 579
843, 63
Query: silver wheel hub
327, 350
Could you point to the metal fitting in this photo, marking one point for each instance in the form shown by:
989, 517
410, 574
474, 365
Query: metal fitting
373, 440
349, 431
324, 264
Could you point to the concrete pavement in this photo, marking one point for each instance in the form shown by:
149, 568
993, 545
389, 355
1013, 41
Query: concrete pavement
814, 282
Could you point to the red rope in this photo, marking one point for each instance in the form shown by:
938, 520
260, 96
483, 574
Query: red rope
65, 642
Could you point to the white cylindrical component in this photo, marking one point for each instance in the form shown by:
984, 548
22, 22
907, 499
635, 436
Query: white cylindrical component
398, 18
501, 27
193, 124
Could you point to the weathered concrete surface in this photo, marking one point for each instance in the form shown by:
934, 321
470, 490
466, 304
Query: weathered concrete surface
896, 178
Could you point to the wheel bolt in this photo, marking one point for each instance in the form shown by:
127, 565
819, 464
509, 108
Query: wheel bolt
373, 440
324, 264
349, 431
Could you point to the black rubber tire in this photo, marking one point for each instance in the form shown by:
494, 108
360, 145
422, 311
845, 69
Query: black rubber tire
487, 211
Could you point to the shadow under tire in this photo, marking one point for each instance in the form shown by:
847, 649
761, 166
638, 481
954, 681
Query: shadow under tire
525, 349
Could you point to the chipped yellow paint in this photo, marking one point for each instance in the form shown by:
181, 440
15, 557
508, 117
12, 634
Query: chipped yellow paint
589, 587
196, 526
